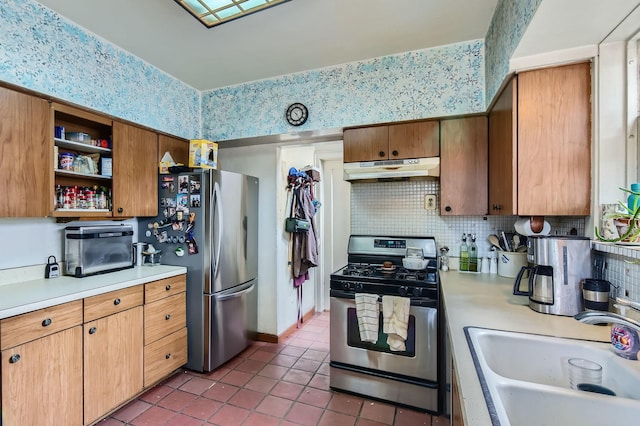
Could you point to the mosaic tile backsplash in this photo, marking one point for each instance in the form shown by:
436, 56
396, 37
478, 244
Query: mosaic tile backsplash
442, 81
397, 209
45, 52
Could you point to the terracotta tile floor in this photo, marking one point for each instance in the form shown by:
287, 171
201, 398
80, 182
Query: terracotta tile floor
267, 384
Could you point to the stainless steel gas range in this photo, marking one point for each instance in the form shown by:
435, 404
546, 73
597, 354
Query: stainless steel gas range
411, 377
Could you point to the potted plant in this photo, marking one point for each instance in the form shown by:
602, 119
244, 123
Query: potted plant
621, 222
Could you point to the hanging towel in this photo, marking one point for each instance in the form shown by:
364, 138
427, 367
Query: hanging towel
395, 316
368, 314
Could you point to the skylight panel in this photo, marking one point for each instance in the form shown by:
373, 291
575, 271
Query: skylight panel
215, 12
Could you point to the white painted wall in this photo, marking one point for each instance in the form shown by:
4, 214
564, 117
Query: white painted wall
260, 161
30, 241
277, 298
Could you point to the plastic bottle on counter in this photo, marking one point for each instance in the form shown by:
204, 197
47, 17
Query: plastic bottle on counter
493, 259
464, 254
473, 254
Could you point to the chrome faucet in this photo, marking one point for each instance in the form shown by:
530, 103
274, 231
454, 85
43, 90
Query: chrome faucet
602, 317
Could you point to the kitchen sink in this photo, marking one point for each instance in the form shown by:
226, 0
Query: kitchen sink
525, 380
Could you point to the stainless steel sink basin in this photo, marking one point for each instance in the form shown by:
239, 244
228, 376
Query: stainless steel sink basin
525, 380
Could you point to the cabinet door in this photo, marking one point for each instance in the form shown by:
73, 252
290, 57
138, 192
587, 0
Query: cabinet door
463, 166
135, 171
414, 140
178, 148
554, 141
366, 144
503, 153
26, 155
113, 356
42, 381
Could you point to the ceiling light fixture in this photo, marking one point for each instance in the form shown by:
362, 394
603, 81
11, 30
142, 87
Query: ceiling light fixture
215, 12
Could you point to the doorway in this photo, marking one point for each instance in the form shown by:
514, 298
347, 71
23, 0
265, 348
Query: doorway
335, 226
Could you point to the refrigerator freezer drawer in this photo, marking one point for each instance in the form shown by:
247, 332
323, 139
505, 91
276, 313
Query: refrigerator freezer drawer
228, 316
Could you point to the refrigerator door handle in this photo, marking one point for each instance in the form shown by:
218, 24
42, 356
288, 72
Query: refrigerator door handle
237, 293
217, 209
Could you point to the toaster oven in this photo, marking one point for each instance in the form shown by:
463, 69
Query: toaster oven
97, 249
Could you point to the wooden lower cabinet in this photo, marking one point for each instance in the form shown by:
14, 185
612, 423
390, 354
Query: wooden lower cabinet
75, 373
164, 356
456, 405
165, 328
113, 361
42, 381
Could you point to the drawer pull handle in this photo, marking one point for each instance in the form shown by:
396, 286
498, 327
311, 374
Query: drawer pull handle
46, 322
93, 330
168, 287
168, 356
14, 358
117, 301
395, 153
167, 317
381, 154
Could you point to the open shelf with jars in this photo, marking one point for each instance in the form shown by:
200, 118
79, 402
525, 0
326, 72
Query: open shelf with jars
82, 163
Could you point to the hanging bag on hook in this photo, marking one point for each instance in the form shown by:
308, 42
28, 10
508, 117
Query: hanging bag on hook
294, 224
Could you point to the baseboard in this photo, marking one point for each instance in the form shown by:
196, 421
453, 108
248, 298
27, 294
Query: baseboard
272, 338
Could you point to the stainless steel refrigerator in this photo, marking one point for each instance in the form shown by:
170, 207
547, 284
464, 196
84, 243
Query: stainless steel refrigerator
208, 222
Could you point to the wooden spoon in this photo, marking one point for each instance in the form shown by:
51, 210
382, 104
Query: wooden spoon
493, 239
537, 223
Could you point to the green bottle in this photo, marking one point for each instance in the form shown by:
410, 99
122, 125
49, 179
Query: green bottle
464, 254
473, 254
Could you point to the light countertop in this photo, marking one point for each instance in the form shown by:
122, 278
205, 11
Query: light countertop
485, 300
20, 297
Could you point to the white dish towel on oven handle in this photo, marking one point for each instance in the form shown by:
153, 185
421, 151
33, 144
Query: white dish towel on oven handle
368, 314
395, 316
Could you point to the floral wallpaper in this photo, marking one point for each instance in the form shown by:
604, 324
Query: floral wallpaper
508, 24
45, 52
442, 81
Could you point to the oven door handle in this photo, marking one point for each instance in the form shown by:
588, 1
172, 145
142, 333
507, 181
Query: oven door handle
424, 302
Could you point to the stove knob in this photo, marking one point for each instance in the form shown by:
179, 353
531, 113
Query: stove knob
403, 290
345, 285
359, 287
417, 291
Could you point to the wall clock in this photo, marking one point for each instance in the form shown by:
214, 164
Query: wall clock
297, 114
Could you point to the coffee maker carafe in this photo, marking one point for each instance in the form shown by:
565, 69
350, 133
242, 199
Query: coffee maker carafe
557, 266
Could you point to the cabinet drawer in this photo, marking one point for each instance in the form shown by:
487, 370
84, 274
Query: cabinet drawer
43, 322
164, 317
164, 355
110, 303
164, 288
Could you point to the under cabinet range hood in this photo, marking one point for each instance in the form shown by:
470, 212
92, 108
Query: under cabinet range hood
393, 169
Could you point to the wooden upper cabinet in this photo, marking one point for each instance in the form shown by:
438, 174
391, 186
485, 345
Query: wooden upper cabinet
414, 140
26, 155
554, 141
366, 144
178, 148
463, 166
392, 142
135, 171
540, 144
503, 184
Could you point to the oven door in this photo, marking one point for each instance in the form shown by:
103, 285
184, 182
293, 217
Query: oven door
419, 361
